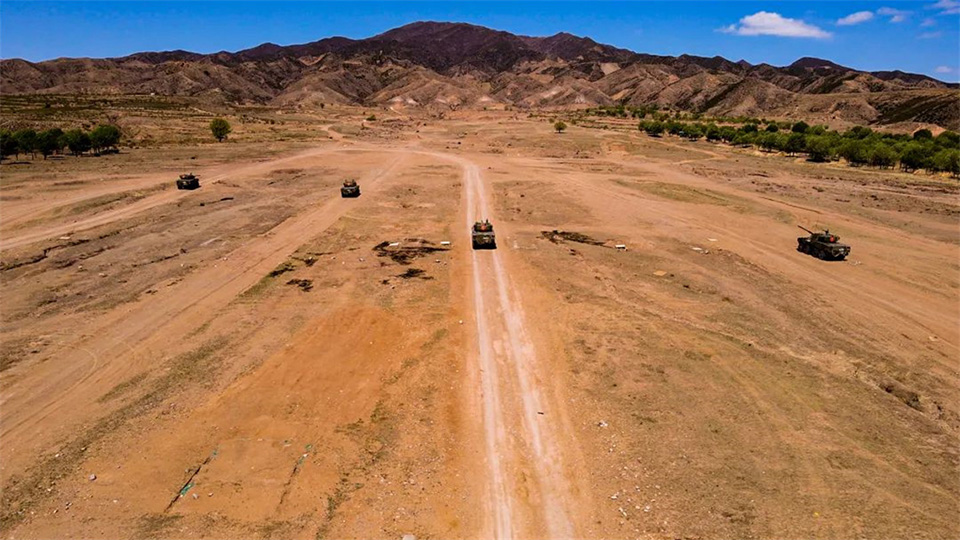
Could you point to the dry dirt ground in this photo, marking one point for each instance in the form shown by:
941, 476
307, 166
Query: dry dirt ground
254, 359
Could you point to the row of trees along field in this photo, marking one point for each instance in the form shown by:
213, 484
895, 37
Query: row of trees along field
858, 145
54, 141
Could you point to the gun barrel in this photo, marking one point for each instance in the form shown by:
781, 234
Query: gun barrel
806, 229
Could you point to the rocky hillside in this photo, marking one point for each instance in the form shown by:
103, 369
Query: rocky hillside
451, 65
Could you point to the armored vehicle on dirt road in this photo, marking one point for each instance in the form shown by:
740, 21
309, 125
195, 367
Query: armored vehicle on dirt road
350, 188
482, 235
188, 181
822, 245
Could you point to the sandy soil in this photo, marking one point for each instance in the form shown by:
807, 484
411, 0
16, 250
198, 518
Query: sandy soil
255, 359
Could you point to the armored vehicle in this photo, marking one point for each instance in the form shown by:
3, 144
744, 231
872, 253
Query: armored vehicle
350, 188
482, 235
188, 181
822, 245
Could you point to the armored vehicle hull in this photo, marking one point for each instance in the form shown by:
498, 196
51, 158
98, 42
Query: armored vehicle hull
349, 189
823, 246
483, 236
188, 181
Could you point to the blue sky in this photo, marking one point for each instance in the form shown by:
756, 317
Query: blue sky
915, 36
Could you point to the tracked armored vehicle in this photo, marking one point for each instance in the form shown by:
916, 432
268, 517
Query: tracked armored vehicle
483, 236
822, 245
188, 181
350, 188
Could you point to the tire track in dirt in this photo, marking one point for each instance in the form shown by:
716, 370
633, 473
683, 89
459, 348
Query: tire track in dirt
71, 382
103, 218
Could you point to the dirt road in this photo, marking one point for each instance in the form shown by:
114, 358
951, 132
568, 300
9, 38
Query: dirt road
527, 481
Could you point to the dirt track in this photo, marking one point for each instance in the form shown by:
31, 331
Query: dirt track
254, 359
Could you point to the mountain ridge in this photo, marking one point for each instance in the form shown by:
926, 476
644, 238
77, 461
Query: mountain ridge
451, 65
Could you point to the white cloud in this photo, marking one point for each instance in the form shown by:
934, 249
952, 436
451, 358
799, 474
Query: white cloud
930, 35
944, 69
896, 15
946, 7
764, 23
855, 18
928, 22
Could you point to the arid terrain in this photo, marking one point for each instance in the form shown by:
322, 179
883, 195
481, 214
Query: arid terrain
261, 358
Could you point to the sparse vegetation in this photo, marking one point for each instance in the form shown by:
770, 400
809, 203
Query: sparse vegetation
560, 126
53, 141
858, 146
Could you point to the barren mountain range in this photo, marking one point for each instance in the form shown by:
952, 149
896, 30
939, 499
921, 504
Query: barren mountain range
451, 65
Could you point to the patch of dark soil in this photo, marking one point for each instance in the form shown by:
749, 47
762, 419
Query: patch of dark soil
907, 396
40, 256
305, 284
282, 269
407, 251
414, 273
214, 202
557, 237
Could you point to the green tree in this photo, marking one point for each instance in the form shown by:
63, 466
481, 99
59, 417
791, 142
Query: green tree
820, 148
692, 132
922, 134
916, 156
8, 144
949, 139
855, 152
947, 160
48, 141
749, 128
104, 136
800, 127
728, 133
560, 126
767, 141
772, 128
816, 130
796, 143
220, 128
653, 128
26, 141
882, 156
713, 133
744, 138
77, 141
